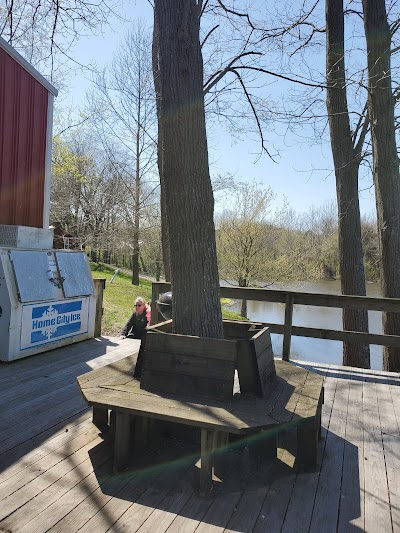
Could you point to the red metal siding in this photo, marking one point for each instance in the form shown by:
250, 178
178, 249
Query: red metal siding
23, 126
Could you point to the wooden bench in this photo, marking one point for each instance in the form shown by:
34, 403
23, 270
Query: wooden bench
206, 367
294, 399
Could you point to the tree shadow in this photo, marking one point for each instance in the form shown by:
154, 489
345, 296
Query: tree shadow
254, 490
352, 373
40, 397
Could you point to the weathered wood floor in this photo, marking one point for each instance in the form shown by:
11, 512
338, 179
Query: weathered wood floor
55, 468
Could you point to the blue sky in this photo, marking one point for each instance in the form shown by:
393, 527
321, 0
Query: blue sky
302, 174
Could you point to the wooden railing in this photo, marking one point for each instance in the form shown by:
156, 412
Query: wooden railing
290, 298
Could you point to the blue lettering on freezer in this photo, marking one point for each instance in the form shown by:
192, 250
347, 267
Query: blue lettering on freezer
53, 321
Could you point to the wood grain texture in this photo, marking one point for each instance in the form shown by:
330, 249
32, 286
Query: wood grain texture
187, 345
59, 477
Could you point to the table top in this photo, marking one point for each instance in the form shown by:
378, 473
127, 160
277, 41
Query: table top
293, 396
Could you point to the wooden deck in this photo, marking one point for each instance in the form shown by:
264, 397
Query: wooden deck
55, 467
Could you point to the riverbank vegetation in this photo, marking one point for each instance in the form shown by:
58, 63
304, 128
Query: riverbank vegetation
257, 244
258, 240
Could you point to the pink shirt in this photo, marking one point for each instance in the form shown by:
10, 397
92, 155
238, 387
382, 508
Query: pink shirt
148, 314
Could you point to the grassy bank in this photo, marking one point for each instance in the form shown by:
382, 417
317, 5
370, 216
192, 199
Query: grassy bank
120, 295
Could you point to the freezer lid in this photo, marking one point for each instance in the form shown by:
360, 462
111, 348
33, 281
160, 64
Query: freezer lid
32, 272
75, 274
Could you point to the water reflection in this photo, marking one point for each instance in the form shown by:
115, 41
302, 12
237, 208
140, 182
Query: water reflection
307, 349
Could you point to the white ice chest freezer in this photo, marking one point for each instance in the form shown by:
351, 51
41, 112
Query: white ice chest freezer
47, 300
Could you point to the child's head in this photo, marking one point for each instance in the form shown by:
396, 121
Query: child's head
140, 305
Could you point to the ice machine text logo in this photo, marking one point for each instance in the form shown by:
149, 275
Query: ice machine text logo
55, 320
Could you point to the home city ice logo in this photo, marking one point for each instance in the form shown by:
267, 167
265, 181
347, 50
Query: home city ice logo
47, 323
50, 322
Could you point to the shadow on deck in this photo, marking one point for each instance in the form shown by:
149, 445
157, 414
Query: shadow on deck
55, 467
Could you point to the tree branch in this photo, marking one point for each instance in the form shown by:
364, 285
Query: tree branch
236, 13
254, 113
217, 76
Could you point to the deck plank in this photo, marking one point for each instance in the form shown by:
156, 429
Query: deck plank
377, 506
219, 513
162, 517
55, 468
67, 495
36, 469
301, 505
152, 497
19, 433
106, 515
273, 510
191, 514
351, 512
16, 508
391, 444
38, 384
393, 469
327, 499
30, 459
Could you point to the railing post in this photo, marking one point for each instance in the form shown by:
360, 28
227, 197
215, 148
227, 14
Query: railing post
155, 293
99, 286
287, 330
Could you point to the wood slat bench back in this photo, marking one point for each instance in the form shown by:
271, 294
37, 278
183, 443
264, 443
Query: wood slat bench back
205, 367
255, 363
174, 363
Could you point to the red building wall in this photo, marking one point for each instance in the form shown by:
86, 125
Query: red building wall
23, 126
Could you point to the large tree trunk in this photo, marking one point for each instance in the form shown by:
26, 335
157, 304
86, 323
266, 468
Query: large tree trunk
185, 172
346, 162
166, 255
385, 163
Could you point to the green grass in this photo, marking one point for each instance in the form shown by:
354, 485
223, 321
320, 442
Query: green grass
119, 297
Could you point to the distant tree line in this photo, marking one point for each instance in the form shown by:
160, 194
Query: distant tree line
256, 244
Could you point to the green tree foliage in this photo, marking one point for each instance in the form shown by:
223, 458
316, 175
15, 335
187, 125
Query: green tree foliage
243, 238
85, 193
257, 245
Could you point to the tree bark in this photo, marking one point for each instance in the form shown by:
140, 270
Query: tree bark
185, 172
243, 306
243, 309
385, 163
166, 255
346, 161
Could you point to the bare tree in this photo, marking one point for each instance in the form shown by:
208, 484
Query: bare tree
381, 104
346, 159
44, 31
123, 111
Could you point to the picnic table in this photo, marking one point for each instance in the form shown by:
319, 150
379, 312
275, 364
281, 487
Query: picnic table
294, 399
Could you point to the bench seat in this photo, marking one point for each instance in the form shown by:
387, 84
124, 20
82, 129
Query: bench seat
294, 398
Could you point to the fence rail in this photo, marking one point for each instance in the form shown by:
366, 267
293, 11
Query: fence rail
291, 298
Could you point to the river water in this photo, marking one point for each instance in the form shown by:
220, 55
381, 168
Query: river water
305, 348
